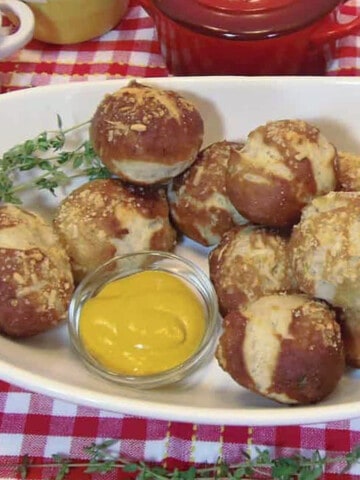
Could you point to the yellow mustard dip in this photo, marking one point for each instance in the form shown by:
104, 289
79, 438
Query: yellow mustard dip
142, 324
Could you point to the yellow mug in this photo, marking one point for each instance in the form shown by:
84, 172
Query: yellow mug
72, 21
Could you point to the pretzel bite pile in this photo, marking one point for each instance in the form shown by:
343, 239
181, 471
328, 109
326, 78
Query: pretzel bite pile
36, 283
287, 293
297, 251
302, 201
145, 136
279, 213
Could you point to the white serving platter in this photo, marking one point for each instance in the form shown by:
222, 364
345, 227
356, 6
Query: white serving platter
231, 108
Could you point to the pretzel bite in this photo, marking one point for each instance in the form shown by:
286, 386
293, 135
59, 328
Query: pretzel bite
349, 320
146, 135
282, 166
284, 347
324, 249
36, 283
105, 218
249, 262
199, 204
348, 171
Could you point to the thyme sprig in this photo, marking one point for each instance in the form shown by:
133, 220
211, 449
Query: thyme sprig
102, 460
51, 163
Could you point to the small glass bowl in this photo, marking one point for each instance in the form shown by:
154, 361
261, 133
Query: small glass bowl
125, 265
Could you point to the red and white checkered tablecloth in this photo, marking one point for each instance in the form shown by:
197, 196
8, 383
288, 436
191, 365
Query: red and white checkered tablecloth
130, 50
40, 426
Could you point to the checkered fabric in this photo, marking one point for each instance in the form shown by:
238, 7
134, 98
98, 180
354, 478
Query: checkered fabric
40, 426
345, 57
129, 50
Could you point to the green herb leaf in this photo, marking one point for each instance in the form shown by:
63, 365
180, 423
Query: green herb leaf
351, 458
131, 467
23, 468
102, 460
50, 163
63, 466
59, 121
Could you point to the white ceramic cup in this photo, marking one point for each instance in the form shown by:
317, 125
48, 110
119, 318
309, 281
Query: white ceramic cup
10, 43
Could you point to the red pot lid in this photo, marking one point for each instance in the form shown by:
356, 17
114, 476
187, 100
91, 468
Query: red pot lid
243, 19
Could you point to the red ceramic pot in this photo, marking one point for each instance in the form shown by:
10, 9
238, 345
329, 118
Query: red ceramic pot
247, 37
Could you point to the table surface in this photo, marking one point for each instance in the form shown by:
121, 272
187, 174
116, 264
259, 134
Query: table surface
39, 426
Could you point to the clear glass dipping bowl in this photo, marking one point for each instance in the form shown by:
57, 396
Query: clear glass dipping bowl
132, 263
